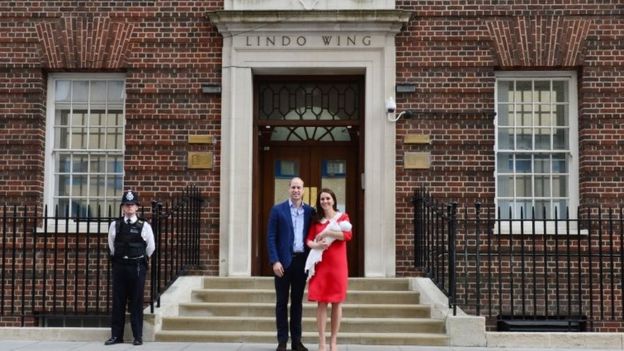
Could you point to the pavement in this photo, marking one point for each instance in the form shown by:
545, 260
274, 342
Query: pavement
21, 345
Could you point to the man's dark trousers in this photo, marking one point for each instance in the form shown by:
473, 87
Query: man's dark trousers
293, 281
128, 286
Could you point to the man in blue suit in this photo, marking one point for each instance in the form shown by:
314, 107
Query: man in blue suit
289, 223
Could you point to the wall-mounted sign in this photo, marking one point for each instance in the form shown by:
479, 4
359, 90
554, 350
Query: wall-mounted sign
200, 160
417, 160
200, 139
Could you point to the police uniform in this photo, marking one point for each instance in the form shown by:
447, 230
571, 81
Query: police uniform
131, 242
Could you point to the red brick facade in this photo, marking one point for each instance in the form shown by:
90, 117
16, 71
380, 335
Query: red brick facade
451, 51
167, 49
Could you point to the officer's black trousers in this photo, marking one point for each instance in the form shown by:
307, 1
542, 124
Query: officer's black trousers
128, 286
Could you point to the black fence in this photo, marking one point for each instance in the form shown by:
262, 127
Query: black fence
526, 273
55, 266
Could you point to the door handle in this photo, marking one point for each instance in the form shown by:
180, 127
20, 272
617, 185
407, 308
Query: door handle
309, 195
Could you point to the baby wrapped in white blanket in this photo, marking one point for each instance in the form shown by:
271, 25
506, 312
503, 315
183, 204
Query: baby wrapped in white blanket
316, 255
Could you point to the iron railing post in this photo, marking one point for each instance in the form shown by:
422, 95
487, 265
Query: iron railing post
452, 258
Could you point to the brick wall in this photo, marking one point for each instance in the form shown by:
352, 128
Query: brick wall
451, 51
167, 49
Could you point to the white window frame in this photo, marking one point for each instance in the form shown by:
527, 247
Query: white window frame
50, 190
573, 156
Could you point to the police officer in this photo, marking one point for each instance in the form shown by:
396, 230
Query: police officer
131, 242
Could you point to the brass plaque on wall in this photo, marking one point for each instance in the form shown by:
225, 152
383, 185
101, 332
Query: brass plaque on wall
417, 160
200, 139
417, 139
200, 160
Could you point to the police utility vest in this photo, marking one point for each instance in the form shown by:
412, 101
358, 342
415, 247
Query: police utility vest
129, 243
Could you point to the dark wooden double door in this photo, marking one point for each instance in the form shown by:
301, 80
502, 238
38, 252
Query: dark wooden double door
308, 127
328, 166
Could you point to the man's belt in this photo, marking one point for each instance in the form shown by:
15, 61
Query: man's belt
133, 258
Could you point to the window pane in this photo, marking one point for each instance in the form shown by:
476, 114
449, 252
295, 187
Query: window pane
61, 138
78, 138
62, 205
114, 185
98, 164
542, 138
523, 209
115, 164
562, 208
505, 138
524, 115
114, 117
80, 91
98, 91
543, 116
542, 92
505, 207
524, 139
542, 186
61, 116
78, 118
116, 90
524, 91
541, 163
63, 185
505, 188
96, 185
542, 209
62, 91
63, 163
96, 117
505, 89
505, 163
80, 164
562, 115
96, 138
560, 186
524, 186
560, 91
523, 163
560, 164
79, 185
561, 141
504, 111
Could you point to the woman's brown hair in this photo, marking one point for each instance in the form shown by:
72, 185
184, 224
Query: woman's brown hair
319, 213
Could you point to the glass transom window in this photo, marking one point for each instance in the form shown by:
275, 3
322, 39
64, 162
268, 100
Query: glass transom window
87, 121
536, 154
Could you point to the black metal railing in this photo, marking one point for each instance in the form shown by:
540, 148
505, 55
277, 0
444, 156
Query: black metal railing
59, 264
567, 269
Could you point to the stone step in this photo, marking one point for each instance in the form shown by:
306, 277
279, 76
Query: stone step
374, 284
202, 309
429, 339
266, 295
348, 325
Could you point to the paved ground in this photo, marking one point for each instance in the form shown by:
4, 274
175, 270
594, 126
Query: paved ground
187, 346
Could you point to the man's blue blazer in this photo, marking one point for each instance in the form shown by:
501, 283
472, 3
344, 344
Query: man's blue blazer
281, 234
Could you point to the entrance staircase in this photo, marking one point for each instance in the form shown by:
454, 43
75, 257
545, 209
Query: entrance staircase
378, 311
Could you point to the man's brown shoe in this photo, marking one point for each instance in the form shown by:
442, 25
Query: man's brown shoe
281, 346
298, 346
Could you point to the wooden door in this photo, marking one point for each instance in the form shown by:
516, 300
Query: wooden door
333, 167
309, 127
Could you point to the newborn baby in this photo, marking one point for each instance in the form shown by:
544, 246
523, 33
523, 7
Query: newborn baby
316, 255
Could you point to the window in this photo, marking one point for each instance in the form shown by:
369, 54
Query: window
536, 144
85, 143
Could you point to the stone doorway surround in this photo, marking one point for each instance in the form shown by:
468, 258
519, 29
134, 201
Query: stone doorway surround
292, 39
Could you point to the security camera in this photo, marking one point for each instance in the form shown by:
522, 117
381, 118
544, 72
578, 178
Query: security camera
390, 105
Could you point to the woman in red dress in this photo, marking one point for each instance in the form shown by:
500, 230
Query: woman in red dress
329, 232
